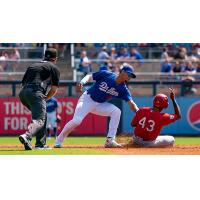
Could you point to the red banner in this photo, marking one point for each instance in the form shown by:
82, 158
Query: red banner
14, 118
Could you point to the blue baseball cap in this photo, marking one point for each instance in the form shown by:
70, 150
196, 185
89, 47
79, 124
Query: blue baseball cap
128, 69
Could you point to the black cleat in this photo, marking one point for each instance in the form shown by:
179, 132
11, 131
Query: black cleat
25, 141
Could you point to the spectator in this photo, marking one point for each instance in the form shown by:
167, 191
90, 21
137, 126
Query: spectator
198, 67
190, 69
14, 56
61, 49
164, 54
196, 76
4, 55
177, 67
108, 66
189, 79
3, 61
181, 53
195, 56
196, 45
105, 66
79, 47
85, 64
113, 54
102, 56
124, 55
166, 66
136, 56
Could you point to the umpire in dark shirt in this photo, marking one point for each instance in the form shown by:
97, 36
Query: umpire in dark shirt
40, 83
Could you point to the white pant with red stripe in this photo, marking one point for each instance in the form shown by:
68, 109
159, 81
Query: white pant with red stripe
85, 106
160, 141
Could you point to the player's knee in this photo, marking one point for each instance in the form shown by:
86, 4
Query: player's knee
172, 140
77, 121
39, 122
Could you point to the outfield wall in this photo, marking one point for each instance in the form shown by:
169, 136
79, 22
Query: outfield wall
189, 124
14, 118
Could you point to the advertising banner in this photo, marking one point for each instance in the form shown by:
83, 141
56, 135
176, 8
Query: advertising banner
189, 124
14, 118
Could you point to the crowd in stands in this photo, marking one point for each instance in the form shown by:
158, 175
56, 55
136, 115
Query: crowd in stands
61, 47
148, 50
185, 63
107, 57
11, 53
174, 58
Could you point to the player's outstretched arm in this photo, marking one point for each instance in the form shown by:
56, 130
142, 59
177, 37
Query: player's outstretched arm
86, 79
177, 110
133, 106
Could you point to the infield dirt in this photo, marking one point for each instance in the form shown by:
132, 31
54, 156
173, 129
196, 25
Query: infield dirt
175, 150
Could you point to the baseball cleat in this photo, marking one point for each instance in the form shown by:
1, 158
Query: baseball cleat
25, 141
111, 143
45, 147
57, 145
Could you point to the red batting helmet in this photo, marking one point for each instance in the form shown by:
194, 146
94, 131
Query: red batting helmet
161, 101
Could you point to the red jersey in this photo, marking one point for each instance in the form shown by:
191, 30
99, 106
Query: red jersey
148, 123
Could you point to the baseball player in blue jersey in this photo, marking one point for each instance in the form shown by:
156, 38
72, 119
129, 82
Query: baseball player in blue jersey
51, 107
94, 100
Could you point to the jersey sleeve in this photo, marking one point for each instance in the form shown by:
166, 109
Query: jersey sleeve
55, 76
126, 95
135, 119
169, 118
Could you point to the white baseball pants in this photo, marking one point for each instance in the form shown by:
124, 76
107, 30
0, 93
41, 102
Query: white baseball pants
51, 120
160, 141
85, 106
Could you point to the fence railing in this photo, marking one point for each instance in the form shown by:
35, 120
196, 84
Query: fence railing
70, 85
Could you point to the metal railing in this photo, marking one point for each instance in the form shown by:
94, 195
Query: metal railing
71, 84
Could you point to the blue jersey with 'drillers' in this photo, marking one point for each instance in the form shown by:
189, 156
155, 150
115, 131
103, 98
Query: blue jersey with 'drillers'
106, 87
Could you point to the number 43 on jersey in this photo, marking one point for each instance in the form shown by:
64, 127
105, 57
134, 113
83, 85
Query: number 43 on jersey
147, 124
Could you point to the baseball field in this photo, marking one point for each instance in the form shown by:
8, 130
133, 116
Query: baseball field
95, 146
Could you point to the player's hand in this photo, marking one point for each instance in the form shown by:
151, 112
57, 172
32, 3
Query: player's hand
58, 118
172, 94
79, 87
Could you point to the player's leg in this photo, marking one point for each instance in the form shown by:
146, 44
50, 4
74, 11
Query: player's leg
48, 133
160, 141
84, 106
108, 109
54, 123
163, 141
55, 131
40, 134
24, 98
48, 125
37, 105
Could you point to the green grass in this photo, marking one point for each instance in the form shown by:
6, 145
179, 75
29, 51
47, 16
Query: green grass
73, 151
69, 140
187, 140
63, 151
